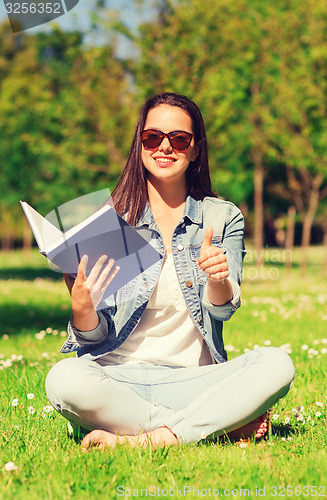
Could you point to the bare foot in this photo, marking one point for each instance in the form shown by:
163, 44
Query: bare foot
164, 437
257, 428
100, 439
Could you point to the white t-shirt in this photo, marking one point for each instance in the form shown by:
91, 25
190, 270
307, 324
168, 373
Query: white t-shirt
166, 334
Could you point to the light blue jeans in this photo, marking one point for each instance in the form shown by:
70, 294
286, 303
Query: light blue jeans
192, 402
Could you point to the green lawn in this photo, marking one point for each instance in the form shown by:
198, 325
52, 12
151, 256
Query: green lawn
279, 309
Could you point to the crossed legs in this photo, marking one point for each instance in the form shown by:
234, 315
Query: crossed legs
165, 405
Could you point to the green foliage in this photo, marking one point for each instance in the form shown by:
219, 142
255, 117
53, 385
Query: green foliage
258, 72
62, 112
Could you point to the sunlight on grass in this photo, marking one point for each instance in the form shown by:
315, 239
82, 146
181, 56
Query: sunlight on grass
38, 460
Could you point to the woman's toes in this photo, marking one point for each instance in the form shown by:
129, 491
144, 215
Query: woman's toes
257, 428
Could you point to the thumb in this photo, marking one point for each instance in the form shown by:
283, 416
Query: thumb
207, 238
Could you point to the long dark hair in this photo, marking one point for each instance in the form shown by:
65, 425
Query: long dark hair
130, 195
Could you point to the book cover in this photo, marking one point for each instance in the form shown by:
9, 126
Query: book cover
102, 233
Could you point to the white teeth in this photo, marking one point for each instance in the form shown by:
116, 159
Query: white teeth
164, 160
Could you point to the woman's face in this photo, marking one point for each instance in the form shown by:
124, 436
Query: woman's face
165, 163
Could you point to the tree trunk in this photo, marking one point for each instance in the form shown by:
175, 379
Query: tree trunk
257, 157
289, 241
305, 242
7, 241
258, 207
324, 263
308, 221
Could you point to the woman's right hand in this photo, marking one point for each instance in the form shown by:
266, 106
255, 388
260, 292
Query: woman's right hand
87, 292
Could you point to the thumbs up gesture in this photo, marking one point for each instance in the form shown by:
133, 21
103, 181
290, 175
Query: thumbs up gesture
212, 259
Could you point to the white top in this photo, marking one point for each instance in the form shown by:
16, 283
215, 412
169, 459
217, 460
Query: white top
166, 334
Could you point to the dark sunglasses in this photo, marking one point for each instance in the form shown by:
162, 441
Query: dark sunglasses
178, 139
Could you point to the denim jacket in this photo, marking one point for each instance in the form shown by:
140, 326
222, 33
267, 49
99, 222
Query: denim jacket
125, 308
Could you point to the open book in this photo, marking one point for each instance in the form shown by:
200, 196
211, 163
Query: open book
102, 233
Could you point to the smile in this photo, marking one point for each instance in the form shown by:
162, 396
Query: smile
164, 160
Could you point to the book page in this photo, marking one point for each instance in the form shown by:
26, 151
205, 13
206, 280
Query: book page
89, 222
44, 232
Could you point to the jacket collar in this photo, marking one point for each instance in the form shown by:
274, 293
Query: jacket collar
192, 211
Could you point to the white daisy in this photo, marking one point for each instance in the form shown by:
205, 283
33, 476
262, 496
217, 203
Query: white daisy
47, 409
10, 467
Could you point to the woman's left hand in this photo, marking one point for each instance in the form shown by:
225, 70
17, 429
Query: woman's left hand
212, 259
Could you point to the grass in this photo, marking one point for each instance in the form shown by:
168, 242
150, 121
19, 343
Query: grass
286, 310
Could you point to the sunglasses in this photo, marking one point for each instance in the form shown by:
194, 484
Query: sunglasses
178, 139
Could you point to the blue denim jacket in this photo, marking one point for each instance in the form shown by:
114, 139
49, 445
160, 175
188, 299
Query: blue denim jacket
125, 308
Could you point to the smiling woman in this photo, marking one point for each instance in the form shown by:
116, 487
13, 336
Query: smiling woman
151, 367
131, 193
163, 161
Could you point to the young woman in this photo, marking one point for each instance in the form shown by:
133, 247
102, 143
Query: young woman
152, 365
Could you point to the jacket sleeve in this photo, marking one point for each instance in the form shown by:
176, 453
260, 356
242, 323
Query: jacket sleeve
98, 334
77, 339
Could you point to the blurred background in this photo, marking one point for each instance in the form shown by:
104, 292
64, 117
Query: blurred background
70, 92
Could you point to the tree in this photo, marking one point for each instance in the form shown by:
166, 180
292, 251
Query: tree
65, 119
249, 65
299, 105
